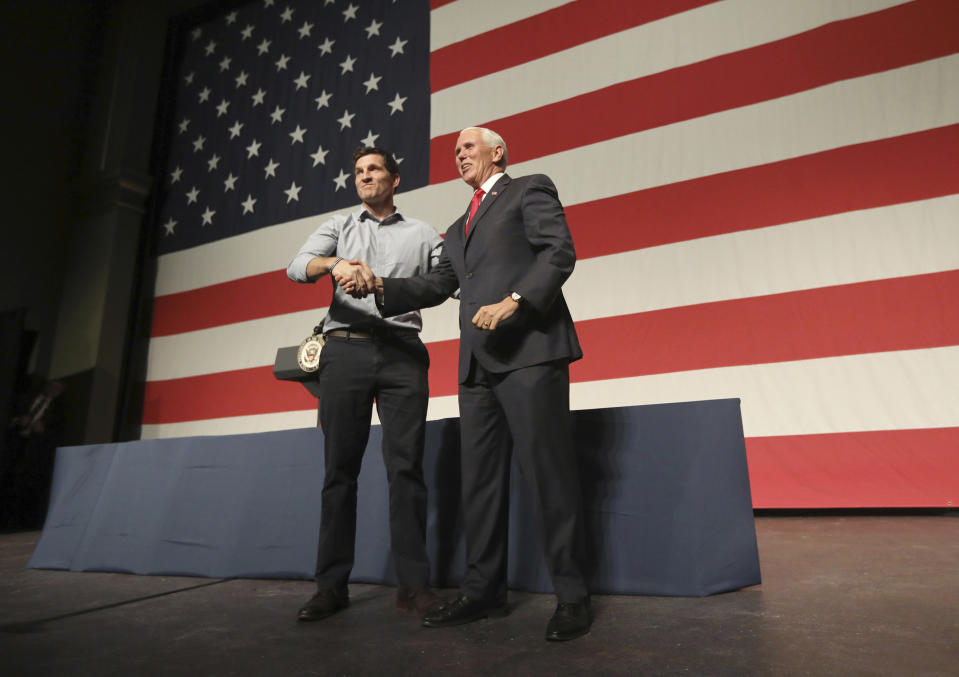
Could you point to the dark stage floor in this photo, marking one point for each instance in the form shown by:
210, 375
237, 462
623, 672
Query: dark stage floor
841, 595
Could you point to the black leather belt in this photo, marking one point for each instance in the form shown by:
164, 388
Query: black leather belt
371, 333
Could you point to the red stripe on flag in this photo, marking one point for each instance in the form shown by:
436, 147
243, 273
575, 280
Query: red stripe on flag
568, 25
906, 168
889, 39
247, 298
246, 392
888, 468
241, 392
895, 314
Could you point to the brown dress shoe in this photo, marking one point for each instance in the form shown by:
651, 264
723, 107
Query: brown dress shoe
325, 602
420, 600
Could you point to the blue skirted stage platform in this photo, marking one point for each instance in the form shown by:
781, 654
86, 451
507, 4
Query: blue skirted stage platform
666, 491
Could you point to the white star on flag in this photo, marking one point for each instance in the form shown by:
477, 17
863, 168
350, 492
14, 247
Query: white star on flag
372, 82
297, 134
373, 28
293, 192
319, 157
323, 100
345, 119
301, 81
397, 47
396, 104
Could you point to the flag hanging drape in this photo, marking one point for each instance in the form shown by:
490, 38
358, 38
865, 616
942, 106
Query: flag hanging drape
763, 194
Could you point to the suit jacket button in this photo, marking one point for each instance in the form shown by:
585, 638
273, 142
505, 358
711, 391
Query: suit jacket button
469, 276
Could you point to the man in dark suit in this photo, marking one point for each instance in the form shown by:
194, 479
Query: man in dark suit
509, 256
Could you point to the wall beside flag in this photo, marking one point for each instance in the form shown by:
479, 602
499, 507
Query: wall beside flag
764, 197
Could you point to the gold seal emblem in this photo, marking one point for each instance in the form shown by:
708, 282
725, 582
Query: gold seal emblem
308, 355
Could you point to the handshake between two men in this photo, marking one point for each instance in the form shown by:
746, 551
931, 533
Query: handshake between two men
357, 279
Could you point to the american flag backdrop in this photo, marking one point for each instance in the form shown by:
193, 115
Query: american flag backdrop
763, 194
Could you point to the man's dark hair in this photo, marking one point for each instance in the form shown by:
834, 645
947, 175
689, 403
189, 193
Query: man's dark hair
388, 160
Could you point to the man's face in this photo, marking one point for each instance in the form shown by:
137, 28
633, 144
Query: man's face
475, 160
374, 184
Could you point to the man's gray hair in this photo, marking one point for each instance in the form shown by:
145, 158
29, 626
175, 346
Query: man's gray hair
492, 139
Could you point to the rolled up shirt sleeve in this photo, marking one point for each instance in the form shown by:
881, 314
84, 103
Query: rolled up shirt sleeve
322, 242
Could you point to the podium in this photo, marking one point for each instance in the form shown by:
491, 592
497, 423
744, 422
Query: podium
287, 368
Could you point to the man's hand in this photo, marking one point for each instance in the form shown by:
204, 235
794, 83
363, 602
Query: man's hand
354, 277
488, 317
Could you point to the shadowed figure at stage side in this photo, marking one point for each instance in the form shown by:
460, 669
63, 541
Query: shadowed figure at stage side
371, 357
509, 255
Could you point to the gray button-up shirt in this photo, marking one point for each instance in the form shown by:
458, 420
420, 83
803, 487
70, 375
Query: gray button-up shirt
393, 247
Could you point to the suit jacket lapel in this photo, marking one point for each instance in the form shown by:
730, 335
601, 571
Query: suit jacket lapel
485, 205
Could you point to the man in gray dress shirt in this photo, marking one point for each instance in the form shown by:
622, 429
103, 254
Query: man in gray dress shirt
367, 358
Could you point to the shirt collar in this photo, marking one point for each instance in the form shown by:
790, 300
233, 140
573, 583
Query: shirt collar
392, 218
488, 183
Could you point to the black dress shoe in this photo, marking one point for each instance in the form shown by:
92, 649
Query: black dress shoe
325, 602
570, 621
464, 610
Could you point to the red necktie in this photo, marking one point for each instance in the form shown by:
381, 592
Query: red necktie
474, 205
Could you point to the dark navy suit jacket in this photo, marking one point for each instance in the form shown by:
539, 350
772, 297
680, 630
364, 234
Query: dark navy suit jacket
518, 241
